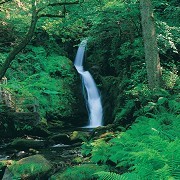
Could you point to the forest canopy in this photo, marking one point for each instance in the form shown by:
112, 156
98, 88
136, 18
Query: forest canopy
132, 53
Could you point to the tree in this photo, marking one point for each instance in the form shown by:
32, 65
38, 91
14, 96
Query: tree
150, 44
37, 13
5, 1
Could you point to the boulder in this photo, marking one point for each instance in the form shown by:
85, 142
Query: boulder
22, 143
99, 131
60, 138
11, 126
31, 167
3, 165
78, 136
39, 130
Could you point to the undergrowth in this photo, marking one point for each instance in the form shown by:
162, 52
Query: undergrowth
149, 149
82, 172
49, 77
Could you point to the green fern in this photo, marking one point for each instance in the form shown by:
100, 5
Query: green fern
150, 148
82, 172
102, 175
174, 164
100, 153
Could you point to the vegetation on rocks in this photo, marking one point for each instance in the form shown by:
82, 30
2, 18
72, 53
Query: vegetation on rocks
134, 58
20, 143
79, 172
28, 168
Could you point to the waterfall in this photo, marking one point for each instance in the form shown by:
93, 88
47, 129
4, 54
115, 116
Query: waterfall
92, 96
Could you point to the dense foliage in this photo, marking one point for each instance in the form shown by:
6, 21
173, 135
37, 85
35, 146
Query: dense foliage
145, 143
149, 148
49, 78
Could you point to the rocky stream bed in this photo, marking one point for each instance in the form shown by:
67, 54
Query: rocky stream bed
31, 157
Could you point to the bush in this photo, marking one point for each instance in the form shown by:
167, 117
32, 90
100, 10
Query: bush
150, 148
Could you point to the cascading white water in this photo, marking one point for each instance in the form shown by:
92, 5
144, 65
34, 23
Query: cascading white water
93, 98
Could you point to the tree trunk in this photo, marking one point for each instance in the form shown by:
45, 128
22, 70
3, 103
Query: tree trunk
150, 44
22, 44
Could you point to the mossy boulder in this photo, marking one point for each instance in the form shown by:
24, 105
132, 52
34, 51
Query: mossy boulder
13, 125
60, 138
22, 143
78, 160
99, 131
28, 168
78, 136
3, 165
55, 124
39, 130
82, 172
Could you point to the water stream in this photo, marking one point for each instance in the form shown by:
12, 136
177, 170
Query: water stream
92, 96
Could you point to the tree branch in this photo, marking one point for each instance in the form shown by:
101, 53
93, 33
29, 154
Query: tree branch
51, 16
22, 44
28, 37
62, 3
57, 4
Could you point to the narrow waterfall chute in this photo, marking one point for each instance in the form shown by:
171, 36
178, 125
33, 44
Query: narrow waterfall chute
93, 99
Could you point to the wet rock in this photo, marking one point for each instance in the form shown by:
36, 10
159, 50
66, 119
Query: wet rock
54, 124
18, 124
77, 144
60, 145
60, 138
33, 151
78, 136
22, 143
3, 157
39, 130
31, 167
3, 165
97, 132
21, 154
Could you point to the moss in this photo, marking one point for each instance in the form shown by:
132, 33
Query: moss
30, 167
78, 160
27, 143
3, 165
82, 172
78, 136
63, 138
52, 79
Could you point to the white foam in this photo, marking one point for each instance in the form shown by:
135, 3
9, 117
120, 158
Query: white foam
93, 100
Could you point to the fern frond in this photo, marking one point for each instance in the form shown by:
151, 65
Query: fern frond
102, 175
174, 167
